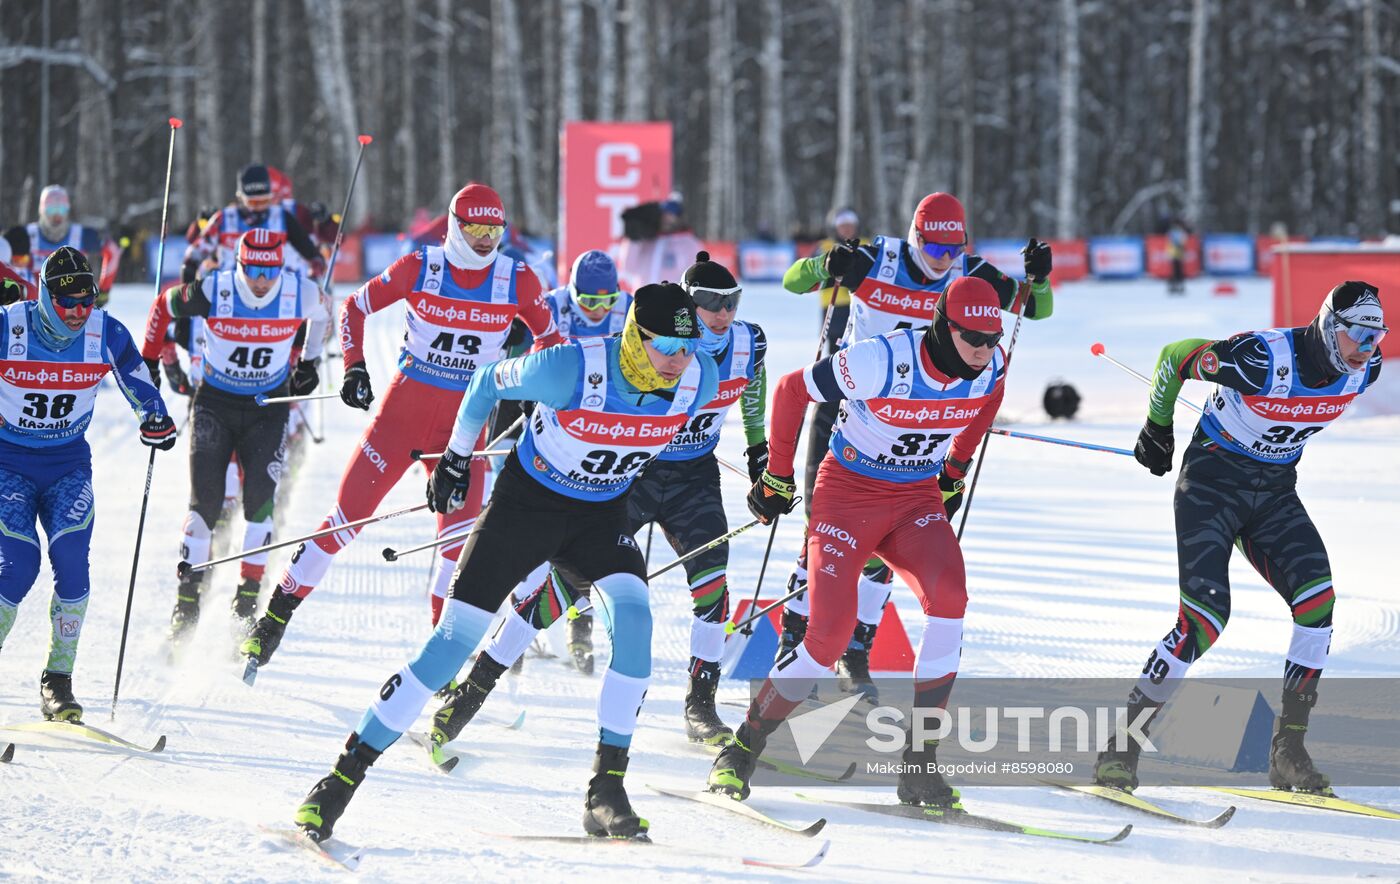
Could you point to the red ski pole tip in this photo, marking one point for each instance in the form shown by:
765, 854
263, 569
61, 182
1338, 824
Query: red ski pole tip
1097, 349
175, 123
364, 139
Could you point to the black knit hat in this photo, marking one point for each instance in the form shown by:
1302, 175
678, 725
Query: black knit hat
663, 309
707, 274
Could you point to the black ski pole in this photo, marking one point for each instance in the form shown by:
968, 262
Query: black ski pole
151, 462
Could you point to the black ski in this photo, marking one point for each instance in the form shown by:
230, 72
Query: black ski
959, 817
757, 862
86, 732
8, 754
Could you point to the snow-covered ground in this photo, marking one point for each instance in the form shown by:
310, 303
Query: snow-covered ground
1072, 571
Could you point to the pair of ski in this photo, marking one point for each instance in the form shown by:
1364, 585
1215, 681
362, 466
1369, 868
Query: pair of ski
953, 816
1327, 801
79, 730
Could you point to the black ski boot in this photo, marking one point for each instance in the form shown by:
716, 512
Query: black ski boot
1116, 768
245, 610
463, 703
853, 669
1290, 766
56, 697
794, 631
733, 769
326, 801
702, 722
606, 811
920, 782
581, 642
185, 617
267, 632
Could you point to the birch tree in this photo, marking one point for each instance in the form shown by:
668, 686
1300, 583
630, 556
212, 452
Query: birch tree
841, 193
777, 192
1067, 193
1195, 114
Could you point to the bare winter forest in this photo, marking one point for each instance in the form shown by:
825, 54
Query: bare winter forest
1061, 117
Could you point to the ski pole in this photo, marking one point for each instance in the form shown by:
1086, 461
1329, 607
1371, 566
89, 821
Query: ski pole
723, 538
747, 623
393, 555
175, 123
646, 555
309, 397
307, 423
1023, 293
732, 468
1054, 441
185, 567
420, 454
773, 532
340, 228
1099, 350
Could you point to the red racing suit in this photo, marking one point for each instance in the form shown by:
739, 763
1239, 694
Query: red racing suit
456, 321
877, 494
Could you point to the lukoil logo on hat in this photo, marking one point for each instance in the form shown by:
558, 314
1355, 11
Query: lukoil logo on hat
973, 304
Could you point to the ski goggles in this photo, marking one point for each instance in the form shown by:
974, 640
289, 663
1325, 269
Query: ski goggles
56, 212
77, 292
975, 338
598, 301
716, 300
1368, 336
258, 202
481, 231
74, 302
262, 271
668, 346
938, 251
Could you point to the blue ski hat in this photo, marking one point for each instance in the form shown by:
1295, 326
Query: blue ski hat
593, 273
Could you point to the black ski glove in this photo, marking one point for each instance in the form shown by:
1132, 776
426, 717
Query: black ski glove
305, 377
447, 486
1154, 447
355, 390
1037, 256
950, 482
179, 381
158, 431
840, 260
758, 460
771, 496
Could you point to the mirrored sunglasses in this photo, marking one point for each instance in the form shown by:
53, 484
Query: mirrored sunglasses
479, 231
261, 271
716, 300
939, 251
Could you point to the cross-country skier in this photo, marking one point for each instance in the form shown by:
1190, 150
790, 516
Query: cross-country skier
1275, 389
605, 407
54, 229
57, 350
460, 299
916, 405
894, 284
680, 491
255, 206
591, 305
253, 318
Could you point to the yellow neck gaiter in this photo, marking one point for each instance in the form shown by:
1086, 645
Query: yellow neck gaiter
636, 365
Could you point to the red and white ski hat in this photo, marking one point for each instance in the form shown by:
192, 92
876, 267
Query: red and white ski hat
972, 303
478, 204
260, 247
940, 219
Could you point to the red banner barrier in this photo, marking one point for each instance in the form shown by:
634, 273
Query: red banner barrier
605, 168
1159, 261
